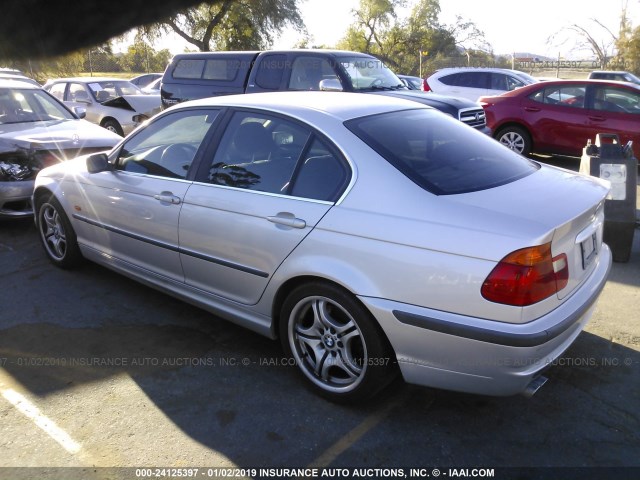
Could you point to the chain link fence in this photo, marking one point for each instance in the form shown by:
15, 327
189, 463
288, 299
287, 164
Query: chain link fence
89, 64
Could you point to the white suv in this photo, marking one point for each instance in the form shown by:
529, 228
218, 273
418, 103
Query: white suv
473, 83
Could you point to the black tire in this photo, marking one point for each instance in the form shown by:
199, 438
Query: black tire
56, 233
113, 126
515, 138
336, 343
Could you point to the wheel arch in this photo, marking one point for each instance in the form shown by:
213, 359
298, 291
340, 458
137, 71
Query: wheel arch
292, 283
107, 119
513, 124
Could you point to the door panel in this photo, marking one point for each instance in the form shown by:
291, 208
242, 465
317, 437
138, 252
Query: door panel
125, 219
233, 240
133, 212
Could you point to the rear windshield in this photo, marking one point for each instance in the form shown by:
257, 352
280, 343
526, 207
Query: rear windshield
440, 154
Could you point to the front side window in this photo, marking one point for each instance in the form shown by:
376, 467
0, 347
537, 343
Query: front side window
270, 154
108, 90
440, 154
168, 146
308, 72
565, 95
507, 82
57, 90
78, 93
369, 73
612, 99
270, 71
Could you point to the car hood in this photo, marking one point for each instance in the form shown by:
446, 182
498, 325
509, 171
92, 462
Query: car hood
432, 99
59, 134
146, 104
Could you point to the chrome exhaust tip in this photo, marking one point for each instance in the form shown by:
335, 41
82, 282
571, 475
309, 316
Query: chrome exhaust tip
535, 385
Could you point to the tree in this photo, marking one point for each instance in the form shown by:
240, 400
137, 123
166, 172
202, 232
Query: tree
585, 37
141, 57
399, 42
230, 24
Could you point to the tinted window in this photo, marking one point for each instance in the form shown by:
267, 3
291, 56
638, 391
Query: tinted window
565, 95
270, 154
439, 153
474, 79
308, 72
270, 71
321, 174
189, 68
612, 99
167, 146
451, 80
221, 69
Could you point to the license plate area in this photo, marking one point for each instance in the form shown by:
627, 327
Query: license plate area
589, 250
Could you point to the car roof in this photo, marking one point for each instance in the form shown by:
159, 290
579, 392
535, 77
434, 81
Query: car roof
17, 82
340, 105
616, 72
477, 69
88, 79
588, 81
527, 89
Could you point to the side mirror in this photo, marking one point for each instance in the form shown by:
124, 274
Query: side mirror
331, 85
98, 162
80, 112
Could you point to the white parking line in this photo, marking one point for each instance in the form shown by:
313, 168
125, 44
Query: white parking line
33, 413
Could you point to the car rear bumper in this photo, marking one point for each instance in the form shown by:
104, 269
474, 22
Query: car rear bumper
15, 199
456, 352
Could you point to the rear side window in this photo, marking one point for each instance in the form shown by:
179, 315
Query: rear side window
212, 69
440, 154
565, 96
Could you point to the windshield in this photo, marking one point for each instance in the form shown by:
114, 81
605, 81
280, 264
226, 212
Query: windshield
525, 77
369, 73
30, 105
108, 90
440, 154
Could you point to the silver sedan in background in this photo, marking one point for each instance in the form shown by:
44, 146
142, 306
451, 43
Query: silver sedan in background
373, 236
115, 104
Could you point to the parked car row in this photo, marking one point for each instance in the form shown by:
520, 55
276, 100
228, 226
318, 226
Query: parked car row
115, 104
559, 116
373, 235
550, 117
36, 131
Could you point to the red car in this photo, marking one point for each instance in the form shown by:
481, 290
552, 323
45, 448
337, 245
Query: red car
559, 116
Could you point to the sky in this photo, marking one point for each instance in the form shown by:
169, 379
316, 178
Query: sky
521, 26
509, 25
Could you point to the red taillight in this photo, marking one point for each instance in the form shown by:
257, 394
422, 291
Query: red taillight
527, 276
425, 85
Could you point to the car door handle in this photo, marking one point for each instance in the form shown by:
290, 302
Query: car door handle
531, 109
288, 220
168, 197
597, 119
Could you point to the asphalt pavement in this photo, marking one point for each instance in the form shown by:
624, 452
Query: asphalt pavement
102, 377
